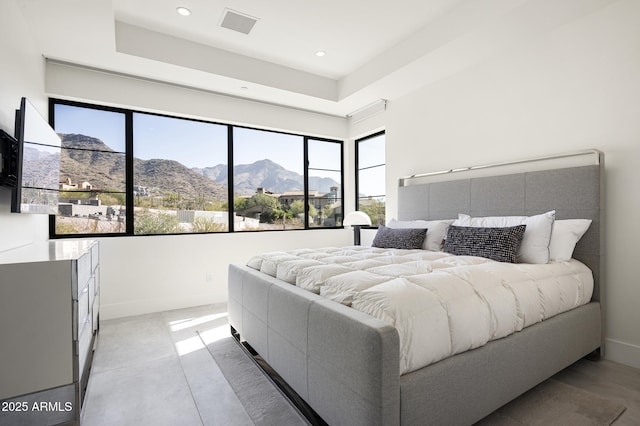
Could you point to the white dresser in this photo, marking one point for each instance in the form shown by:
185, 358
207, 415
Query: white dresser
49, 306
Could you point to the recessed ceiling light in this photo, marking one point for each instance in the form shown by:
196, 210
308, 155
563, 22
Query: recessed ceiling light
320, 53
183, 11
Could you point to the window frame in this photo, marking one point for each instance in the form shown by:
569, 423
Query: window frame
129, 173
358, 169
306, 180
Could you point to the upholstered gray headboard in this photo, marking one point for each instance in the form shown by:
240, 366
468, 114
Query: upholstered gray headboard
573, 192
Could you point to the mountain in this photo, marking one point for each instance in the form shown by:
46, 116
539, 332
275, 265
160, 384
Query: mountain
265, 174
40, 167
93, 161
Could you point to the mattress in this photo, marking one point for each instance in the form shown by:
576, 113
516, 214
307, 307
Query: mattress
439, 303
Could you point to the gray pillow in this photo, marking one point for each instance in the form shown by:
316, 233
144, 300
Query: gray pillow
500, 244
408, 238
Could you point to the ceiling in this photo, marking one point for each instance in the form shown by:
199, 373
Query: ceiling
375, 49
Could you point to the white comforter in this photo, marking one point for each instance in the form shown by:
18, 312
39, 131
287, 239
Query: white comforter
440, 304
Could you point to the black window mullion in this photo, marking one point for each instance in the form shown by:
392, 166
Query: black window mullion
129, 173
52, 123
231, 207
357, 177
342, 145
306, 182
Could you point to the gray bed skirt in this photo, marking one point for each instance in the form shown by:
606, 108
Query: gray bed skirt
345, 364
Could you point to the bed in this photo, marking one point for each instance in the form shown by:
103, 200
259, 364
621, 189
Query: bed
344, 364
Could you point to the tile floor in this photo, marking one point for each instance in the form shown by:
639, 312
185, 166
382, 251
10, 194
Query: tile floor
155, 370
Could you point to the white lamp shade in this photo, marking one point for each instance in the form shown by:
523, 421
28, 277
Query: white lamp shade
357, 218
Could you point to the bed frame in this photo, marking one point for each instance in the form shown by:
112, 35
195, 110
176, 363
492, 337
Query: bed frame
344, 364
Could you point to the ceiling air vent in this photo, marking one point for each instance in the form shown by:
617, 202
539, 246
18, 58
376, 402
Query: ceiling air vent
237, 21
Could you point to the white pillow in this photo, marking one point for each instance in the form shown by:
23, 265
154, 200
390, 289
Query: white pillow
436, 230
565, 235
535, 243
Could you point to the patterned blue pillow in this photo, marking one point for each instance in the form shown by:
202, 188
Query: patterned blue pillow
407, 238
499, 244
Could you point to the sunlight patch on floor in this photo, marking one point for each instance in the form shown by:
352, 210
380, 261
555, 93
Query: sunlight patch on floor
205, 337
215, 334
192, 322
186, 346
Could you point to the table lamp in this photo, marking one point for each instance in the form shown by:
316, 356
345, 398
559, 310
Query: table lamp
356, 220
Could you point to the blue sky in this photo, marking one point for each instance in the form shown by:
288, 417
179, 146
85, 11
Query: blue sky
201, 144
192, 143
104, 125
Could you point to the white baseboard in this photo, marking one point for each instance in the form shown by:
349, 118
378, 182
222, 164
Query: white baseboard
148, 306
622, 352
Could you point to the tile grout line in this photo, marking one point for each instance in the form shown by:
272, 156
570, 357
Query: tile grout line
184, 374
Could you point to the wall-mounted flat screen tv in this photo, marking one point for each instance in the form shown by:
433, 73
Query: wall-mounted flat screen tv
38, 163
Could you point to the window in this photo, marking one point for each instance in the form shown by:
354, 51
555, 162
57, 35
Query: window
177, 167
126, 172
325, 175
268, 180
370, 177
92, 171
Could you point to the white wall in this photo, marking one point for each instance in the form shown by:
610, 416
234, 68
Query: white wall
573, 88
576, 87
66, 81
151, 274
21, 74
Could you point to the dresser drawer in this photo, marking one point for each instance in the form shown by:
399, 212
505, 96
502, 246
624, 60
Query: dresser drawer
95, 256
84, 271
92, 289
96, 280
84, 346
81, 314
95, 312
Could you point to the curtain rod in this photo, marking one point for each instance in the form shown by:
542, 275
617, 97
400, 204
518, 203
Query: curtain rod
594, 152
